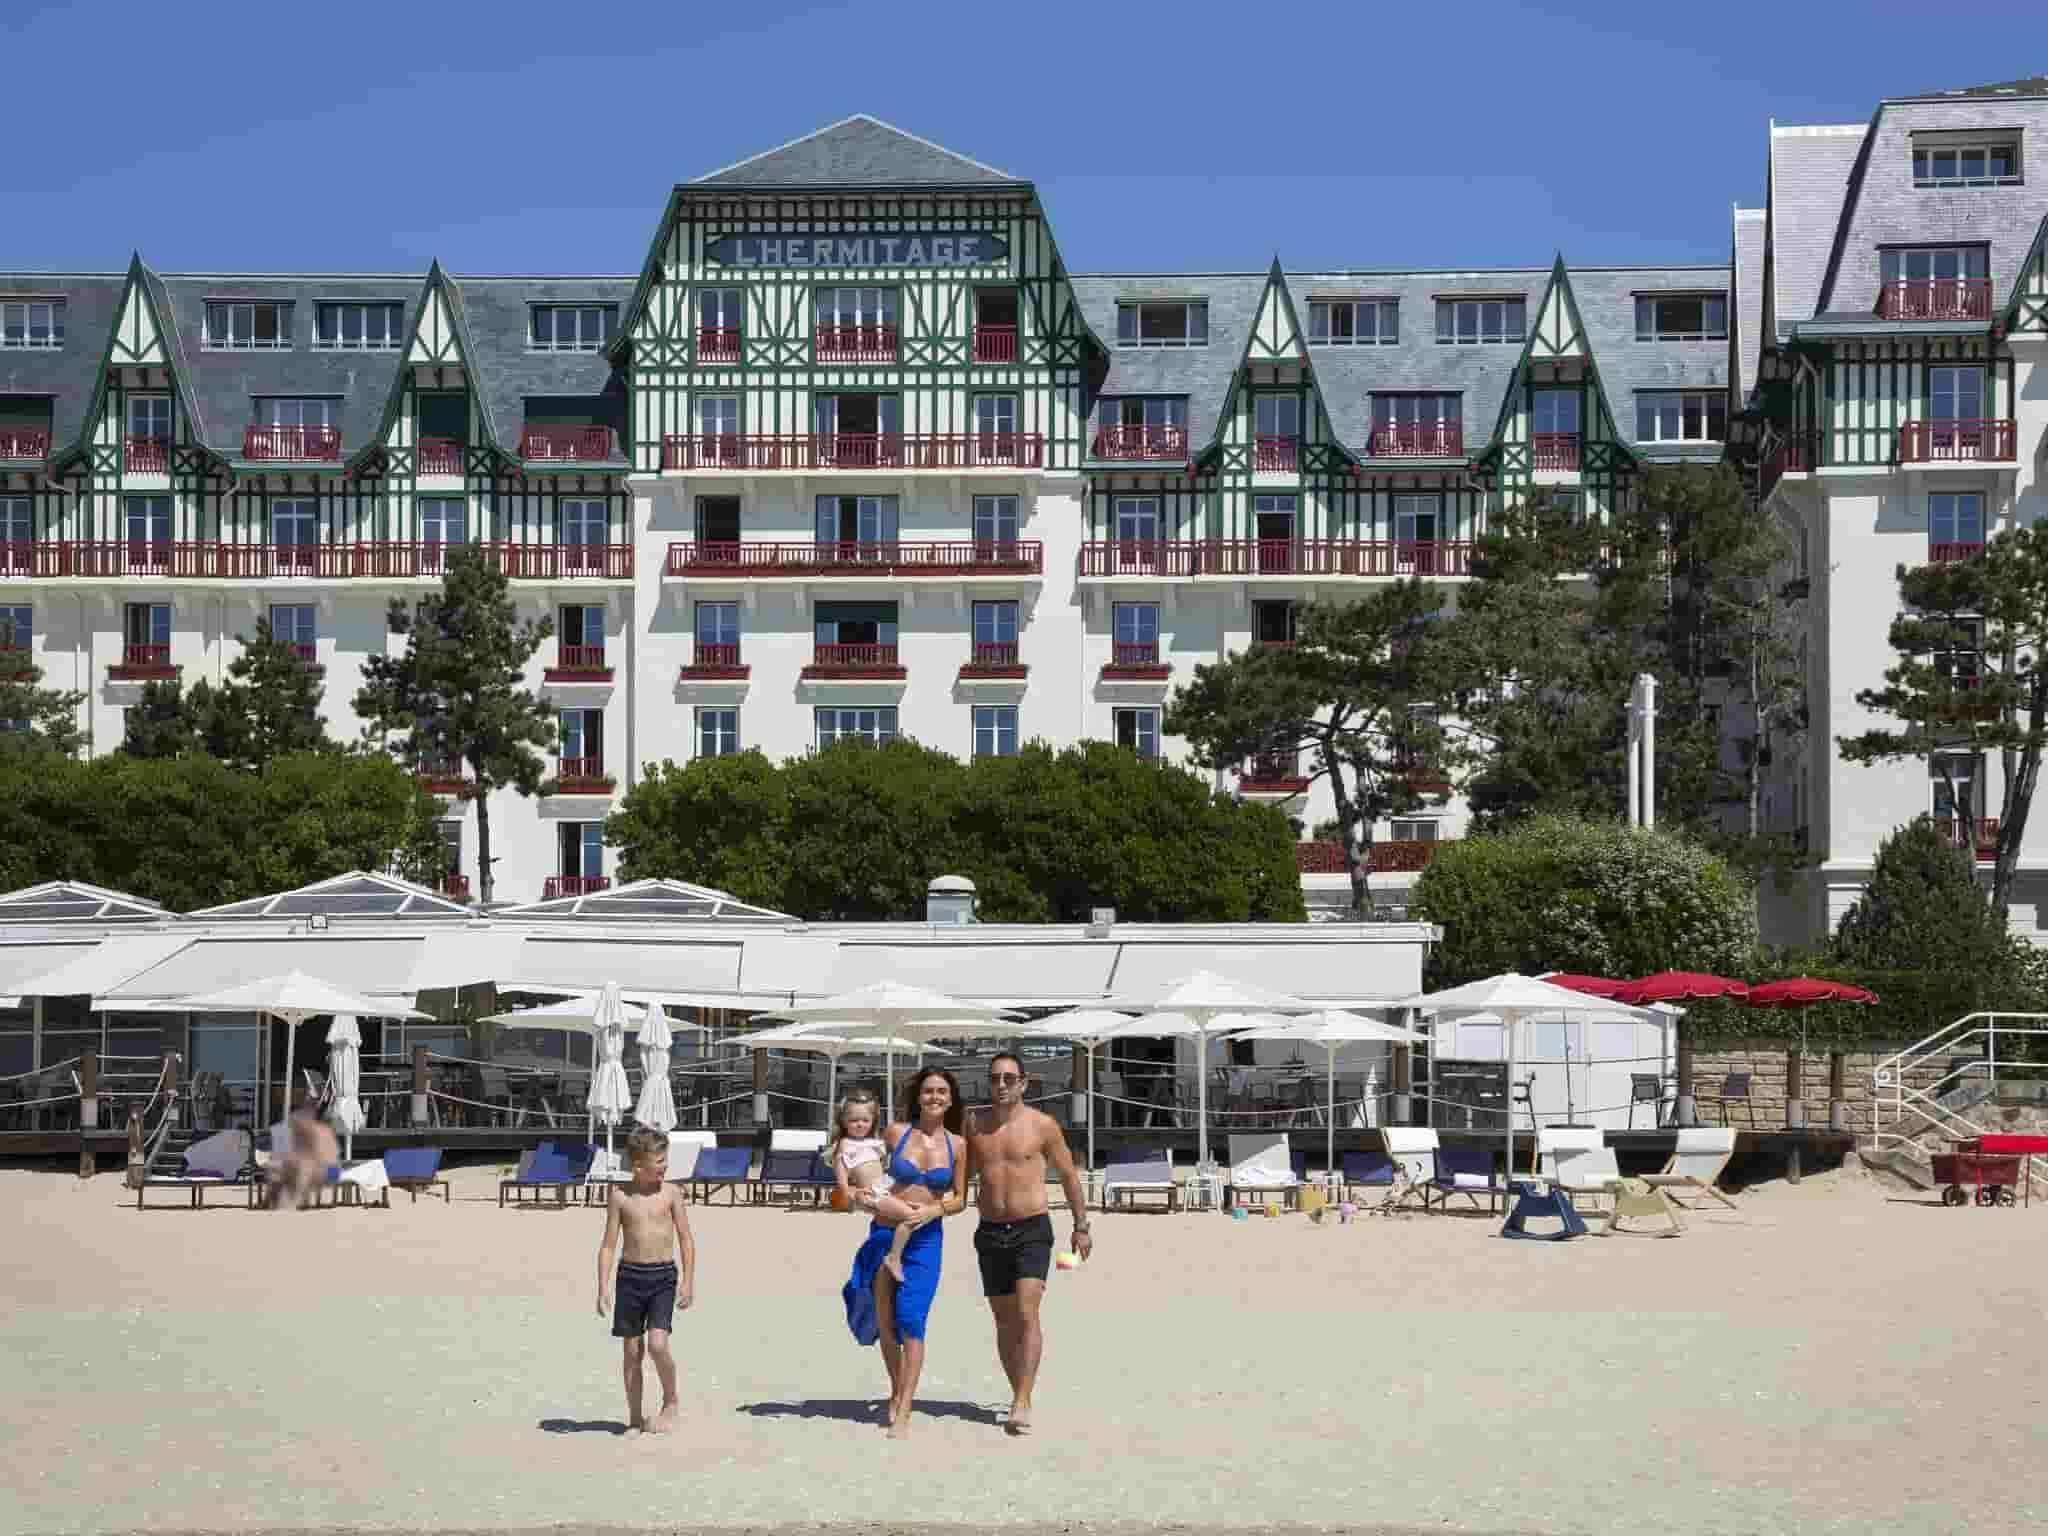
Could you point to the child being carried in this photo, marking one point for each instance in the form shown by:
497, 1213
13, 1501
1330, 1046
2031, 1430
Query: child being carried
860, 1163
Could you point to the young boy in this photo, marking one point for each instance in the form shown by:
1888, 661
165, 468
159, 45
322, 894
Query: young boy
650, 1291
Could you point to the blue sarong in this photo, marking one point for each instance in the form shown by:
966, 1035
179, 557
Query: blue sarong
921, 1262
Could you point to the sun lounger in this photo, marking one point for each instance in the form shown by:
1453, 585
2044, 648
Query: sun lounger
1365, 1170
413, 1169
1143, 1173
795, 1162
684, 1148
548, 1168
1261, 1168
1466, 1171
721, 1168
196, 1186
1696, 1166
1412, 1151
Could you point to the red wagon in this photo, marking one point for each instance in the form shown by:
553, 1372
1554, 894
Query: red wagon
1990, 1164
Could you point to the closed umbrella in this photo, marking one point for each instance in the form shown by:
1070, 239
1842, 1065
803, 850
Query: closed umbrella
345, 1073
1331, 1028
610, 1094
656, 1108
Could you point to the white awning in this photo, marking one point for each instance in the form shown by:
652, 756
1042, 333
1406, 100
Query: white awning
377, 965
1032, 972
465, 957
105, 966
24, 962
1328, 974
641, 966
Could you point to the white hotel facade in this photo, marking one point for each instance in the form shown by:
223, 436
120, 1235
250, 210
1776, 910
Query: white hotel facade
854, 452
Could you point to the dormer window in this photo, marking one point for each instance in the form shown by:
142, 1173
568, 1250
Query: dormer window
246, 325
1354, 322
1980, 160
1181, 323
353, 327
1473, 322
1681, 317
572, 327
32, 323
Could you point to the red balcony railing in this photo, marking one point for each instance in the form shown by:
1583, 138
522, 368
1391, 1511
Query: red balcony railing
854, 659
440, 456
856, 344
24, 443
214, 560
1950, 551
1275, 452
443, 776
1556, 450
306, 652
582, 776
716, 658
854, 450
1273, 773
1935, 298
264, 441
1795, 455
1270, 557
1168, 443
1951, 832
718, 344
568, 444
993, 658
1932, 442
1419, 440
1135, 659
1395, 856
454, 887
558, 886
980, 557
146, 455
995, 343
574, 661
144, 661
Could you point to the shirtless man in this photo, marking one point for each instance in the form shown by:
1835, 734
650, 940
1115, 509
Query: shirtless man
1008, 1146
650, 1291
301, 1165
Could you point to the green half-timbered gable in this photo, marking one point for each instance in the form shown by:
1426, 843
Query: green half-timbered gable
2026, 313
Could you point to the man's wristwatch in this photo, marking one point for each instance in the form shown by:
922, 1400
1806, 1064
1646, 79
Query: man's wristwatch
1080, 1226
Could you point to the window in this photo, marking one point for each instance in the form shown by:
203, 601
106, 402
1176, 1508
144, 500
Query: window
149, 416
719, 310
718, 520
995, 415
293, 624
995, 624
1413, 829
444, 520
854, 624
718, 416
1273, 523
1955, 394
995, 519
1142, 411
450, 832
1955, 517
580, 624
718, 624
581, 740
147, 624
356, 327
247, 326
1134, 634
860, 416
1183, 323
582, 849
1930, 263
870, 725
857, 520
1273, 623
855, 306
1138, 729
572, 327
295, 522
17, 627
1963, 665
1964, 769
1276, 415
1674, 416
1554, 412
292, 411
1420, 412
1985, 162
1354, 322
148, 519
17, 519
1137, 519
1682, 317
583, 521
36, 323
995, 730
718, 732
1468, 322
1417, 519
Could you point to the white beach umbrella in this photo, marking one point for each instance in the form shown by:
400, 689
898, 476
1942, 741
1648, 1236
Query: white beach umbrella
793, 1037
1205, 1004
1087, 1028
576, 1014
610, 1095
293, 997
891, 1010
1330, 1028
345, 1073
1513, 998
656, 1108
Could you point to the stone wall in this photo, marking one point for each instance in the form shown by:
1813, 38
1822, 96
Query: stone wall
1767, 1063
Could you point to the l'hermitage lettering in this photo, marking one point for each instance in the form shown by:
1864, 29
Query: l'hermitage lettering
906, 248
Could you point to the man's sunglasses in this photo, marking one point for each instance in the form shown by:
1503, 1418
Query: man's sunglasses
1000, 1078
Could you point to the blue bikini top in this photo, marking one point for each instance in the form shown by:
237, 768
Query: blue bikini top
904, 1171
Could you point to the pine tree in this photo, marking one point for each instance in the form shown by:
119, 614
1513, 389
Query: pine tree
32, 716
268, 708
456, 694
1924, 910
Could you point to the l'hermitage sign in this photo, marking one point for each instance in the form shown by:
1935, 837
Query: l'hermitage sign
906, 248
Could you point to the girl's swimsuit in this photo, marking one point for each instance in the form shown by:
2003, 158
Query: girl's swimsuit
923, 1252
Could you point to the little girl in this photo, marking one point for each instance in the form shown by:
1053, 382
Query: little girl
861, 1166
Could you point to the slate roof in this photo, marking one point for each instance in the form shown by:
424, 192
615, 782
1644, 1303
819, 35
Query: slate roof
1607, 308
1203, 374
68, 374
2033, 85
1809, 180
858, 151
1748, 298
508, 375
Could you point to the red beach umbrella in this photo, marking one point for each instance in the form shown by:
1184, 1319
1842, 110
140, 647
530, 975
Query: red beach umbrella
1805, 991
1592, 986
1678, 987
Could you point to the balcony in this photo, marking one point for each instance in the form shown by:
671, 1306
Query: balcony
454, 887
856, 344
579, 664
1135, 661
1418, 440
213, 560
1798, 454
1273, 773
440, 456
1951, 832
444, 776
141, 663
306, 654
715, 661
1275, 557
1554, 452
1281, 453
995, 343
146, 455
558, 886
1936, 298
1957, 441
582, 776
853, 450
291, 444
1141, 444
863, 660
718, 344
568, 445
1387, 858
993, 659
986, 557
1954, 551
24, 443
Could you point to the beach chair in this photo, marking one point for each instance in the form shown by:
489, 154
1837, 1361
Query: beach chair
1583, 1166
1365, 1170
795, 1161
1466, 1171
1141, 1173
684, 1148
1734, 1090
1261, 1167
547, 1168
1697, 1165
721, 1168
413, 1169
1412, 1151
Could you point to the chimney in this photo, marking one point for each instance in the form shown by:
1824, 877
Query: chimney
949, 901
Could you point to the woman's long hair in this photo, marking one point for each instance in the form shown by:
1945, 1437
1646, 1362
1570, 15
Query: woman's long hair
955, 1112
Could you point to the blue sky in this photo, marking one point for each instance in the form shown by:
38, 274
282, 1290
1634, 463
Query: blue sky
518, 137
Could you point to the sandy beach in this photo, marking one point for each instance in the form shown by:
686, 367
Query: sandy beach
1842, 1355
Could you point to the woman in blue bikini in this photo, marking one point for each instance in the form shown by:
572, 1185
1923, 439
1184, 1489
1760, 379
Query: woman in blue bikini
928, 1167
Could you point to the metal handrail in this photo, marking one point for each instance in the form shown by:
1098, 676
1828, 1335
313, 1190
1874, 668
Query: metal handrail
1889, 1089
